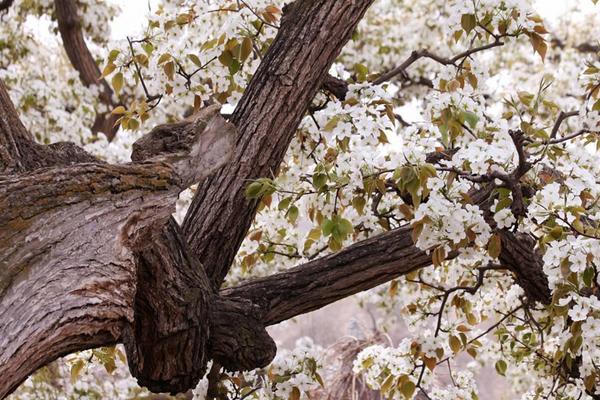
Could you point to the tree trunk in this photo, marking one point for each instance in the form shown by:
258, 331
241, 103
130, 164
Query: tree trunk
69, 237
311, 36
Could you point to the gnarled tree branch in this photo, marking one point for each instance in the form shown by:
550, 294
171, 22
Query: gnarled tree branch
74, 239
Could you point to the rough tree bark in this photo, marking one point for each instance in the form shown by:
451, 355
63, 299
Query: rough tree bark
70, 235
89, 255
312, 34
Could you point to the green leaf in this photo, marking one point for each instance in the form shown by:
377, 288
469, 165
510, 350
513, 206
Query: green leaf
112, 56
359, 203
119, 110
319, 180
292, 214
246, 48
455, 344
525, 97
226, 58
194, 58
117, 82
284, 204
495, 246
504, 203
387, 384
468, 22
346, 227
408, 389
253, 190
470, 118
234, 67
148, 48
327, 226
501, 367
361, 72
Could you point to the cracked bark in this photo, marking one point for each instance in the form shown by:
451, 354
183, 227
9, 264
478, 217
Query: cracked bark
74, 241
266, 118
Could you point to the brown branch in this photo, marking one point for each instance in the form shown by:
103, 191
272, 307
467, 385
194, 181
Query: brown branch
5, 5
267, 117
561, 117
69, 26
372, 262
339, 88
361, 266
15, 140
18, 151
335, 86
424, 53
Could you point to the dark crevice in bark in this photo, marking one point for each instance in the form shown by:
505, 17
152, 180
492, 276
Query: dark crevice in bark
5, 5
239, 340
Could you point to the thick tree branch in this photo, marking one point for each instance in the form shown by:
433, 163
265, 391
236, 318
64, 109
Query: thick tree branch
365, 265
18, 151
69, 26
73, 241
361, 266
14, 138
312, 34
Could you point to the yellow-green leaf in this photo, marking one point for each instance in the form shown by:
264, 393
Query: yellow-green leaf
455, 344
246, 48
495, 246
119, 110
169, 69
408, 389
468, 22
76, 370
117, 82
110, 67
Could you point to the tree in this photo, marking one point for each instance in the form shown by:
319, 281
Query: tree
486, 209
